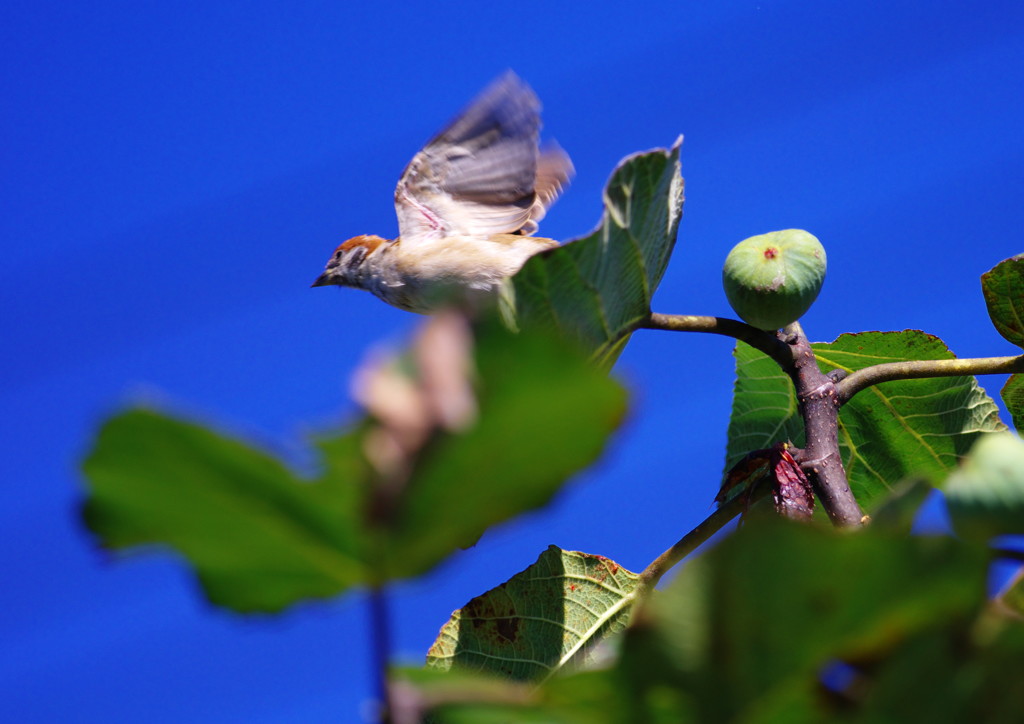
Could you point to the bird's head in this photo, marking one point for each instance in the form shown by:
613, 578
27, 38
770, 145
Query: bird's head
346, 266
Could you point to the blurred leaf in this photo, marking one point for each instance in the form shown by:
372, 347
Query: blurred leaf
956, 673
1012, 596
597, 289
541, 619
905, 684
750, 625
472, 697
746, 630
1013, 397
260, 538
1003, 287
898, 510
422, 695
985, 496
545, 413
887, 432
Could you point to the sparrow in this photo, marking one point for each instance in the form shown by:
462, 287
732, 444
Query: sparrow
468, 205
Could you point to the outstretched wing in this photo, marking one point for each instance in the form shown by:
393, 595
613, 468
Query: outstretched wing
483, 174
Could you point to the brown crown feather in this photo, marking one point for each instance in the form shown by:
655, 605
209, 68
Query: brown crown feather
368, 241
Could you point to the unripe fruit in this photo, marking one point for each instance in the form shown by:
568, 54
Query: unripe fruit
772, 279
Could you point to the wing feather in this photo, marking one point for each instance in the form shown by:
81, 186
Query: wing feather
483, 173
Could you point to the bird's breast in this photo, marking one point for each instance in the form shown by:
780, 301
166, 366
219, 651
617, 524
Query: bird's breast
415, 275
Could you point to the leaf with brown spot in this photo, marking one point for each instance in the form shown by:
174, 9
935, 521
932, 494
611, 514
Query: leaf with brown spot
549, 615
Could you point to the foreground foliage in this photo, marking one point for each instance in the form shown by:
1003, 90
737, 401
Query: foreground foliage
476, 424
759, 630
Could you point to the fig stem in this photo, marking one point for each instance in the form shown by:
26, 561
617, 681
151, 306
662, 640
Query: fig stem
757, 338
919, 369
691, 541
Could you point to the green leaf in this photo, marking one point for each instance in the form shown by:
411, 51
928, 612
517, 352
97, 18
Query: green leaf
258, 537
1003, 287
985, 496
1013, 397
746, 629
541, 619
887, 432
764, 406
261, 538
598, 289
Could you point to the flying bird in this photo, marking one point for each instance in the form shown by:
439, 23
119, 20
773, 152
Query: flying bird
468, 205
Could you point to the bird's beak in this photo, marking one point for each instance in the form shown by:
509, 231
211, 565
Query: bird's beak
322, 281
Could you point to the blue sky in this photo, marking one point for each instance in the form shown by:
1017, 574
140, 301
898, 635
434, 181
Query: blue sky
175, 176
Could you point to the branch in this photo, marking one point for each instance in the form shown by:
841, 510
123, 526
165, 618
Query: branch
854, 382
759, 339
821, 395
819, 407
691, 541
816, 392
380, 629
918, 369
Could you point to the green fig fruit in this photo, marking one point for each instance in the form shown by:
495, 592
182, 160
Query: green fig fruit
772, 279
